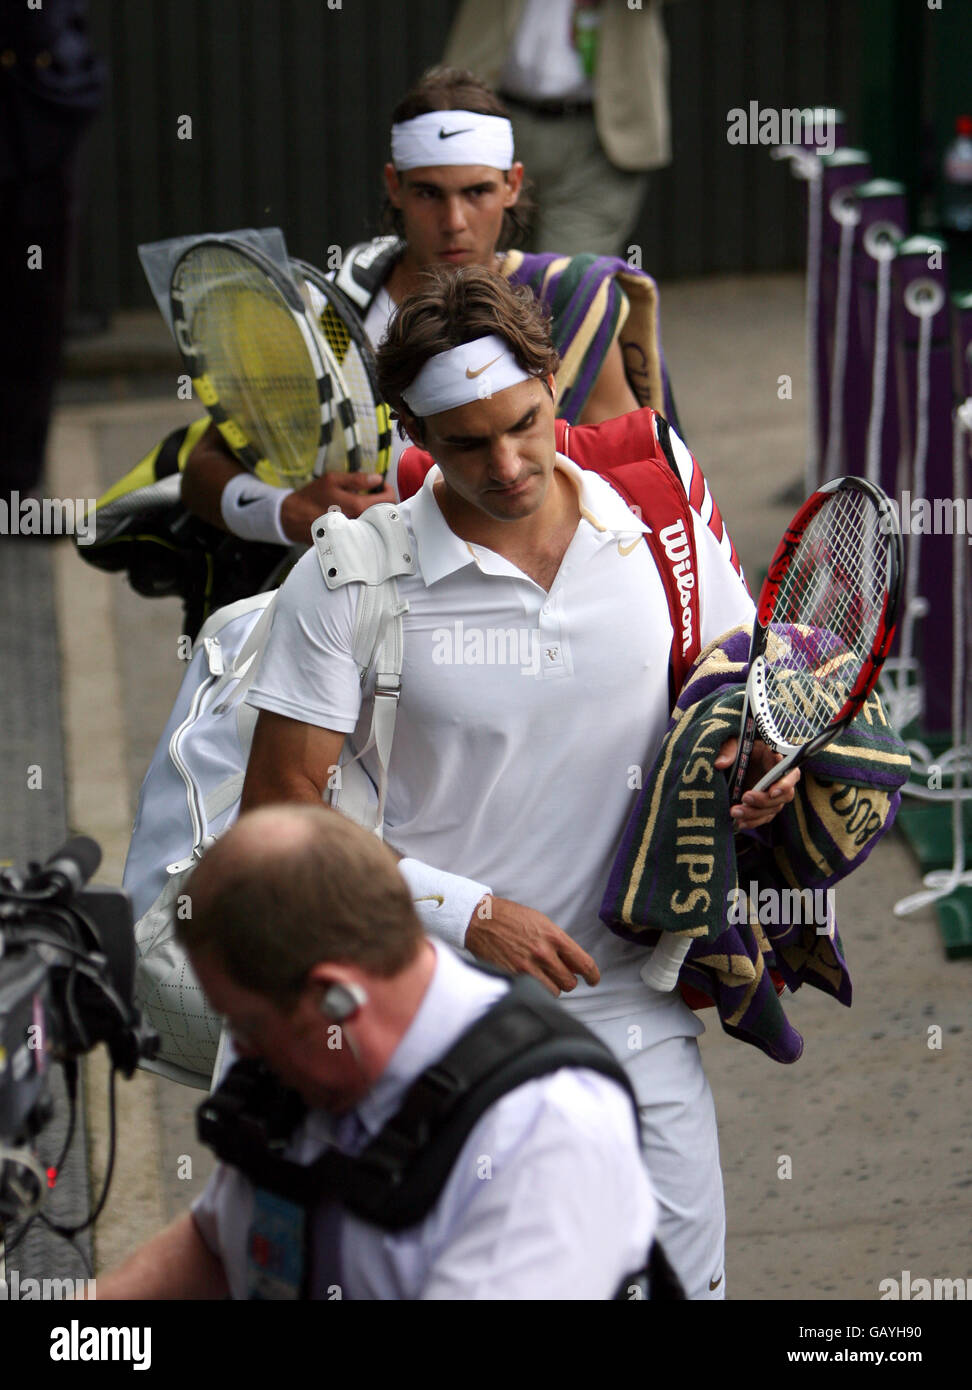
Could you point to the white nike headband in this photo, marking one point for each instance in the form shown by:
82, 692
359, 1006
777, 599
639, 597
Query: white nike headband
470, 372
452, 137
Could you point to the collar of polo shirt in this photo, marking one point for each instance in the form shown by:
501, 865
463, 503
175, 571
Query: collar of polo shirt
442, 552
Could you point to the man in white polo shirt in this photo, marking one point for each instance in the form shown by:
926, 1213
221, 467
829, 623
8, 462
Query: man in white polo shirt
509, 782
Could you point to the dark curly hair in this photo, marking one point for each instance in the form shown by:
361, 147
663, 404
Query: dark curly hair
457, 89
458, 306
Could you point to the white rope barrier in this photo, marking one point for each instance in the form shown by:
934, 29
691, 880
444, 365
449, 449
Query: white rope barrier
880, 244
941, 882
844, 209
806, 166
904, 696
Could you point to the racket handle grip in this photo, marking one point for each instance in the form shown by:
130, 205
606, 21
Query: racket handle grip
660, 970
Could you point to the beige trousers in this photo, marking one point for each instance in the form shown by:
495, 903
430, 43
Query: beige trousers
584, 202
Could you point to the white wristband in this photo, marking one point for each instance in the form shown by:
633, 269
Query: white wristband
444, 902
251, 509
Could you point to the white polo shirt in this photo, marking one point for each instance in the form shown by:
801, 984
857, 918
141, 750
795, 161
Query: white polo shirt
548, 1197
527, 719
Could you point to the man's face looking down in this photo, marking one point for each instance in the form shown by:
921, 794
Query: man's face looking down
294, 1043
497, 454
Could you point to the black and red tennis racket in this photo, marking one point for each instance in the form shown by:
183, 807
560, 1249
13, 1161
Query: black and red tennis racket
825, 622
824, 625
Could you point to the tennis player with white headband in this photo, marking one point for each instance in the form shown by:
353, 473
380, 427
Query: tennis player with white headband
455, 197
447, 380
507, 786
475, 139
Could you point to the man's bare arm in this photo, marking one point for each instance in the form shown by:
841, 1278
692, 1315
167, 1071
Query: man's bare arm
177, 1263
525, 942
289, 761
352, 492
611, 395
212, 464
208, 469
293, 761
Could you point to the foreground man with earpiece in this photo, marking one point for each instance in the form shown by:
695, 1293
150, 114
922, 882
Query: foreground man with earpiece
304, 936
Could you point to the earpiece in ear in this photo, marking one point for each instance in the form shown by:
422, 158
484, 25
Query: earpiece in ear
342, 1001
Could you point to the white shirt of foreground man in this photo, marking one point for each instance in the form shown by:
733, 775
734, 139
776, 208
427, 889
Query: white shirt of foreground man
548, 1198
521, 715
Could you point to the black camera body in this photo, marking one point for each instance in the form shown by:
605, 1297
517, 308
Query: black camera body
67, 973
24, 1026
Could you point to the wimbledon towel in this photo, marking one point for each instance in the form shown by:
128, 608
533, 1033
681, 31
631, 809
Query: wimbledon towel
758, 898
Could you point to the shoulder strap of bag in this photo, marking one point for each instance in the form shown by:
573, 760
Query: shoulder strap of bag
373, 551
397, 1179
645, 472
364, 269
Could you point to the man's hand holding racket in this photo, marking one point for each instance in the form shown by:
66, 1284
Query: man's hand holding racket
758, 807
352, 492
824, 625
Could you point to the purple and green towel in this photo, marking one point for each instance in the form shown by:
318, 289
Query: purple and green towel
846, 799
592, 299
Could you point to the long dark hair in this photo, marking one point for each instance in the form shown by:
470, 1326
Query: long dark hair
457, 89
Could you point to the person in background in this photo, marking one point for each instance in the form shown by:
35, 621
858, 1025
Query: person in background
586, 82
453, 186
51, 85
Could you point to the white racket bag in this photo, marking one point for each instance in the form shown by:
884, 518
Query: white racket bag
191, 792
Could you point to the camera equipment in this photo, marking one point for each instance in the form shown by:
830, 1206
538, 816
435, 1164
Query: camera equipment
67, 969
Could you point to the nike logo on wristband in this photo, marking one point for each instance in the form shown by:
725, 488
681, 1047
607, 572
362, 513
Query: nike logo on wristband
246, 501
448, 134
714, 1283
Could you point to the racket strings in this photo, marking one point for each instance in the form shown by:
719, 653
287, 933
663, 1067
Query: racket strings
252, 359
370, 411
336, 332
826, 616
256, 365
358, 382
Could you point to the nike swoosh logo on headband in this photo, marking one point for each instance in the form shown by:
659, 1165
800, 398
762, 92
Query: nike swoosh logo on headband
470, 373
448, 134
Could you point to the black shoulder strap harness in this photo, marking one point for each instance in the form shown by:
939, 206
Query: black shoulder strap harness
396, 1180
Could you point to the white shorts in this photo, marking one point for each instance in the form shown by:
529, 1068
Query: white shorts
680, 1142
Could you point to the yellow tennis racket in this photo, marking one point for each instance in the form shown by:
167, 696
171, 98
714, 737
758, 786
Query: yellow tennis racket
260, 365
343, 331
